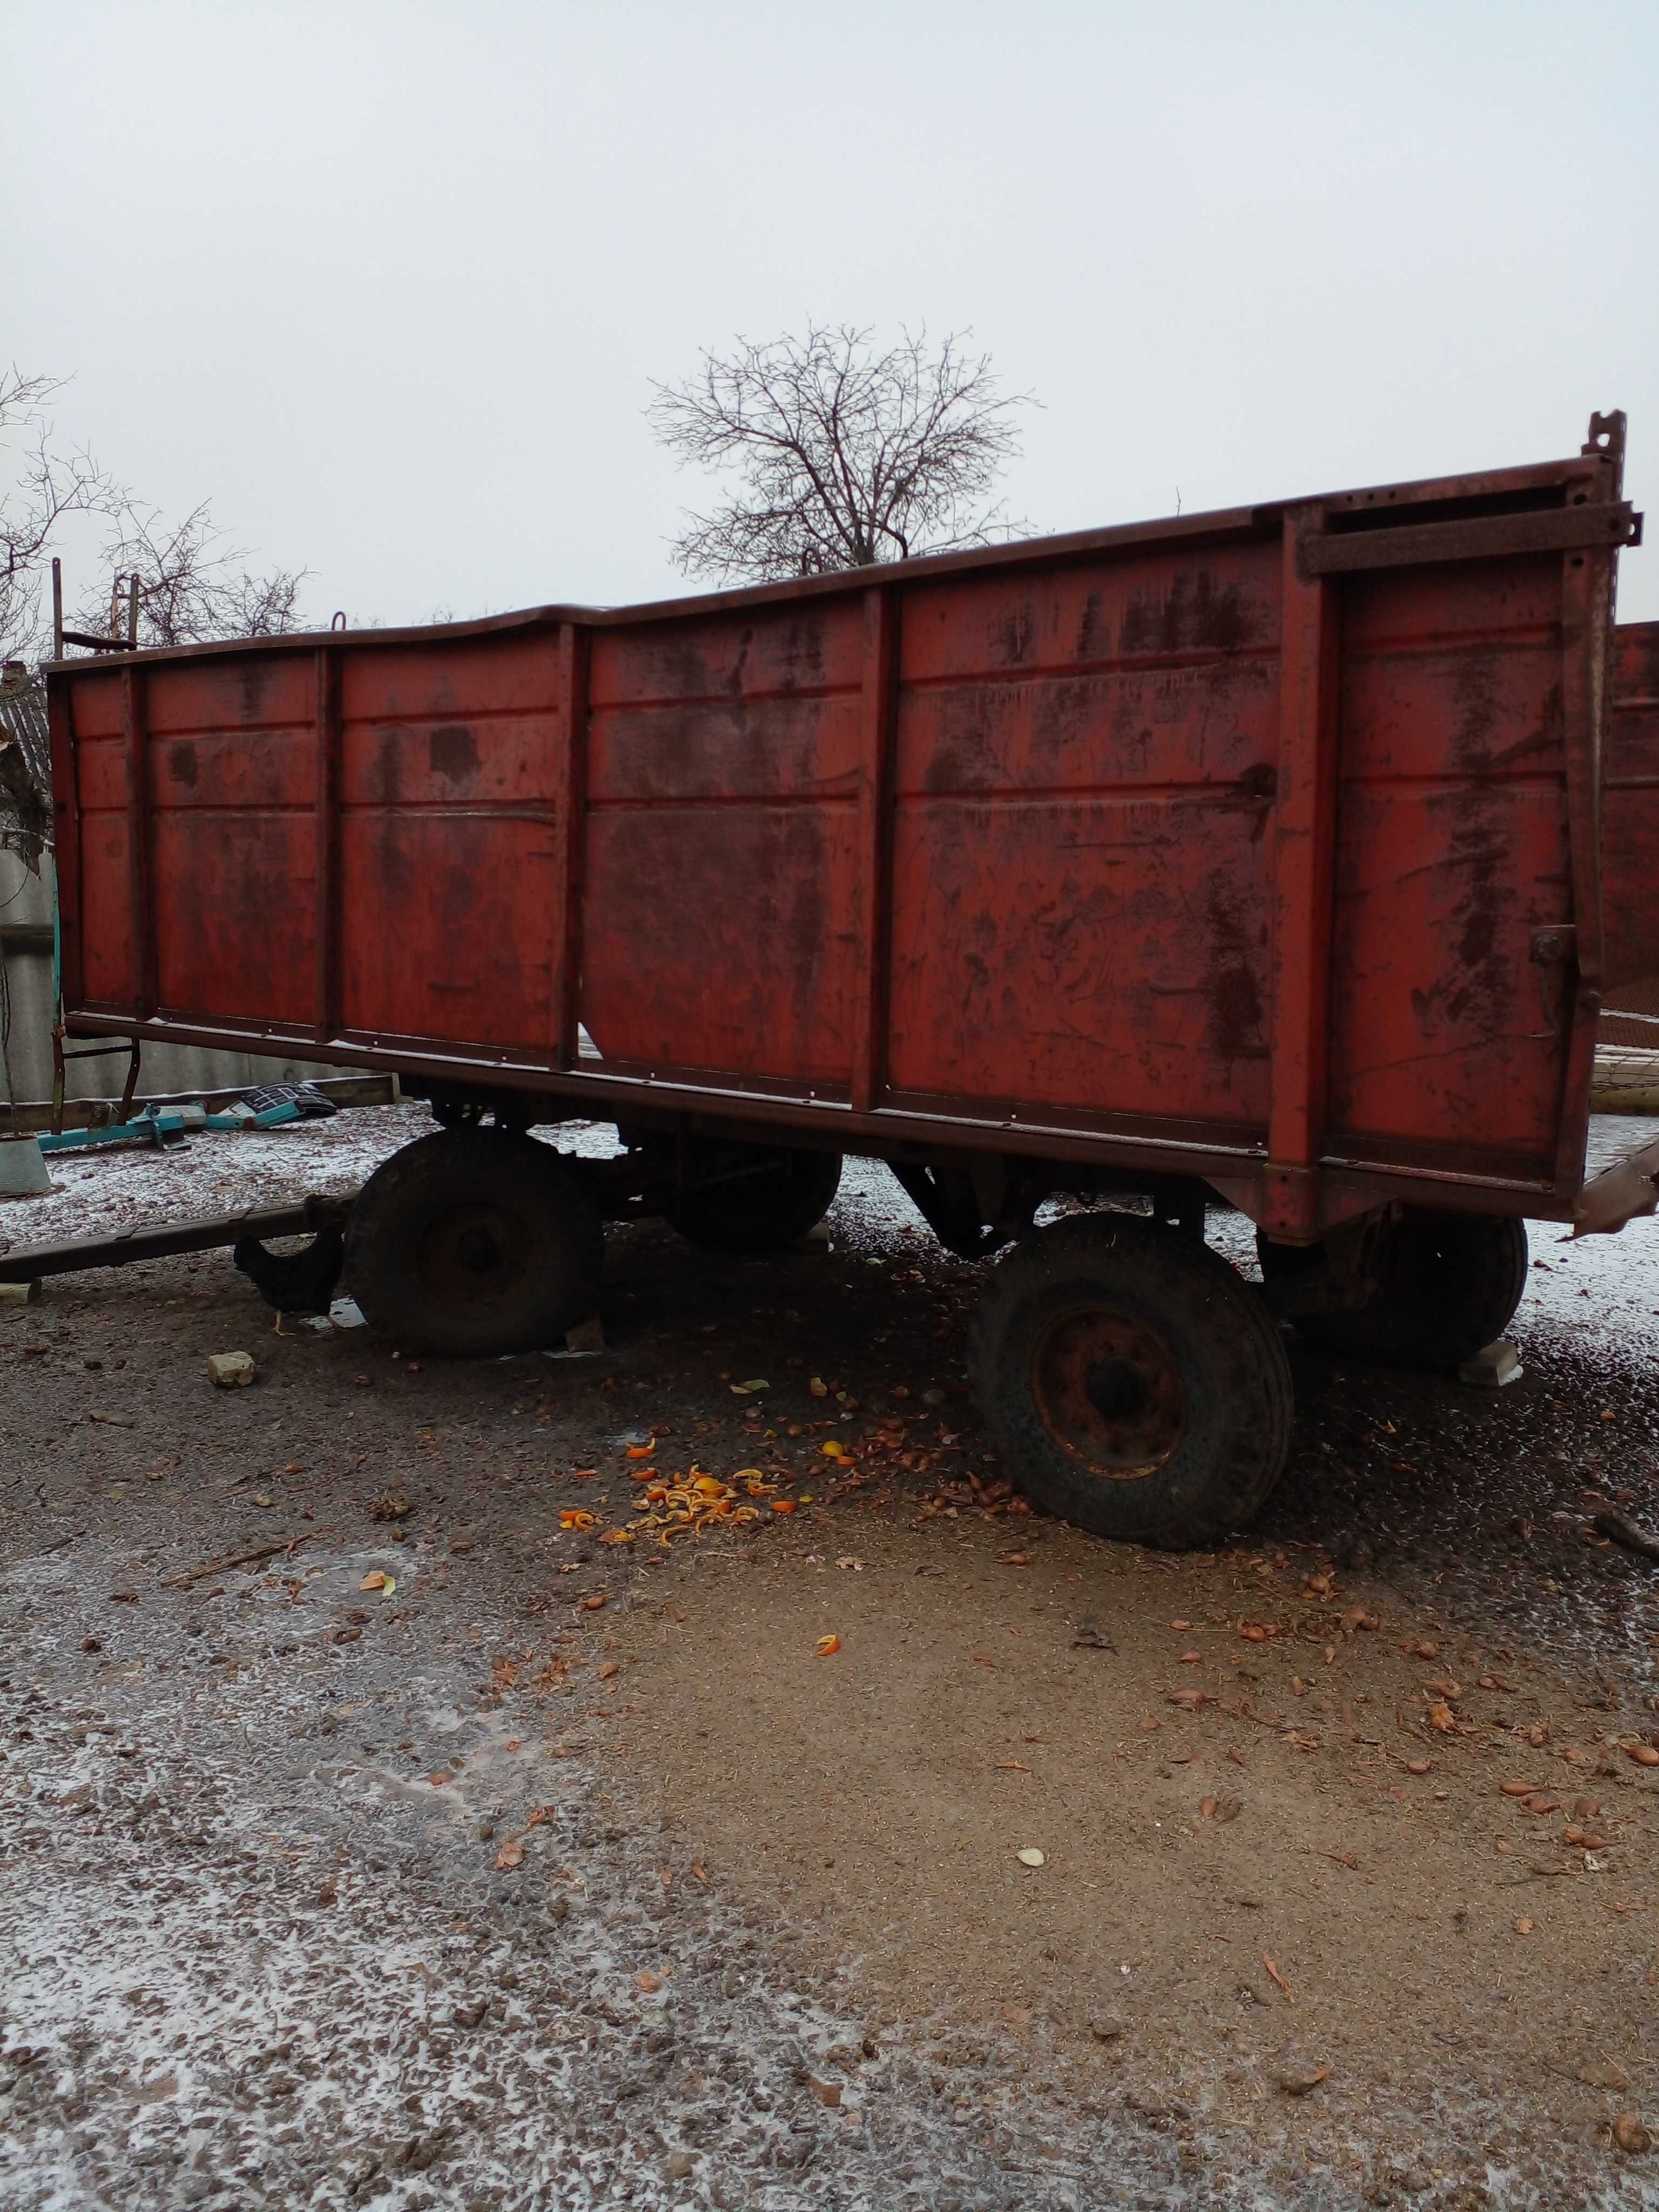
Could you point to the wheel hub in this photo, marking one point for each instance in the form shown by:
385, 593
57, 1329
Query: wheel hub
471, 1255
1109, 1392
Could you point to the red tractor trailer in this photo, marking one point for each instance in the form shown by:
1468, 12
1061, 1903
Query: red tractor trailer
1275, 860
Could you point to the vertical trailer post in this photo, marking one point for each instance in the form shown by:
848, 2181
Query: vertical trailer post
1587, 612
569, 827
872, 896
147, 994
327, 670
1304, 841
65, 858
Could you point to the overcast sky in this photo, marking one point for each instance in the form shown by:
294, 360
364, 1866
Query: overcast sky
388, 282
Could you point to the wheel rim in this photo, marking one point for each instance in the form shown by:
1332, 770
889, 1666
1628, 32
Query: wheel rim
1109, 1392
472, 1256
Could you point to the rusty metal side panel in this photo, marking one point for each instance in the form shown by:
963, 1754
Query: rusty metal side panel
1451, 855
1630, 814
451, 759
1260, 842
1084, 774
100, 944
230, 759
719, 923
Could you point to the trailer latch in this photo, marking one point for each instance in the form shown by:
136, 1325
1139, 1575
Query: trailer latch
1555, 948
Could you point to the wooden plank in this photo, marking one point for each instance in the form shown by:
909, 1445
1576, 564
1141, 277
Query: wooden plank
328, 844
872, 896
1304, 839
147, 995
569, 843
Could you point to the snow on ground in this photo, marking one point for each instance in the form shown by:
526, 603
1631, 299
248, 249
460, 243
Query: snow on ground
254, 1955
123, 1187
326, 1996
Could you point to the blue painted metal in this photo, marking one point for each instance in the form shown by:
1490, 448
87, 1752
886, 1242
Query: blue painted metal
162, 1125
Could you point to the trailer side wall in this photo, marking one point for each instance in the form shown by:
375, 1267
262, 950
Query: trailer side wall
1219, 838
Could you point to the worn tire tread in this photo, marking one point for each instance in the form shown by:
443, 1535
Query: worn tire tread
514, 1167
1452, 1309
1185, 1278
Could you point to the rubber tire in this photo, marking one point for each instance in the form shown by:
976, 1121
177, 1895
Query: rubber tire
770, 1214
1451, 1283
541, 1204
1220, 1336
301, 1282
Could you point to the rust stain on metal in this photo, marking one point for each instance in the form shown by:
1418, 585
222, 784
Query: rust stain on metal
1219, 845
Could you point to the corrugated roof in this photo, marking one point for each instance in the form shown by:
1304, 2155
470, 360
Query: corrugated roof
23, 716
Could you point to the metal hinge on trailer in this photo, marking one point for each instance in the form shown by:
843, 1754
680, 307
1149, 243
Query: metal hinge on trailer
1598, 523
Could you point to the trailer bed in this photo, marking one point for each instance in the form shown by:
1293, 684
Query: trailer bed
1263, 847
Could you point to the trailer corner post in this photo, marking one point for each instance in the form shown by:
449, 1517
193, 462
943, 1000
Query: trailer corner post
1304, 841
65, 855
1588, 581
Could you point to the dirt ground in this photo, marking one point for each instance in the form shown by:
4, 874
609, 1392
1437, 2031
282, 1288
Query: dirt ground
568, 1871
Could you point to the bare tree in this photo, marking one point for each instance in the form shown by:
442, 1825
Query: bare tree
190, 590
845, 454
48, 485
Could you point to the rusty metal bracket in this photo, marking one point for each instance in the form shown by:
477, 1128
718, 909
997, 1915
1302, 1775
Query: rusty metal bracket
25, 1263
1620, 1193
1342, 1274
1554, 951
1601, 523
1607, 439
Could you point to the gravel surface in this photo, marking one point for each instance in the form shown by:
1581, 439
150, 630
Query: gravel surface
508, 1886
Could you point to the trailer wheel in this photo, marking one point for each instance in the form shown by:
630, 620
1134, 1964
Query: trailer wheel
1133, 1383
753, 1198
302, 1282
1447, 1283
472, 1242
